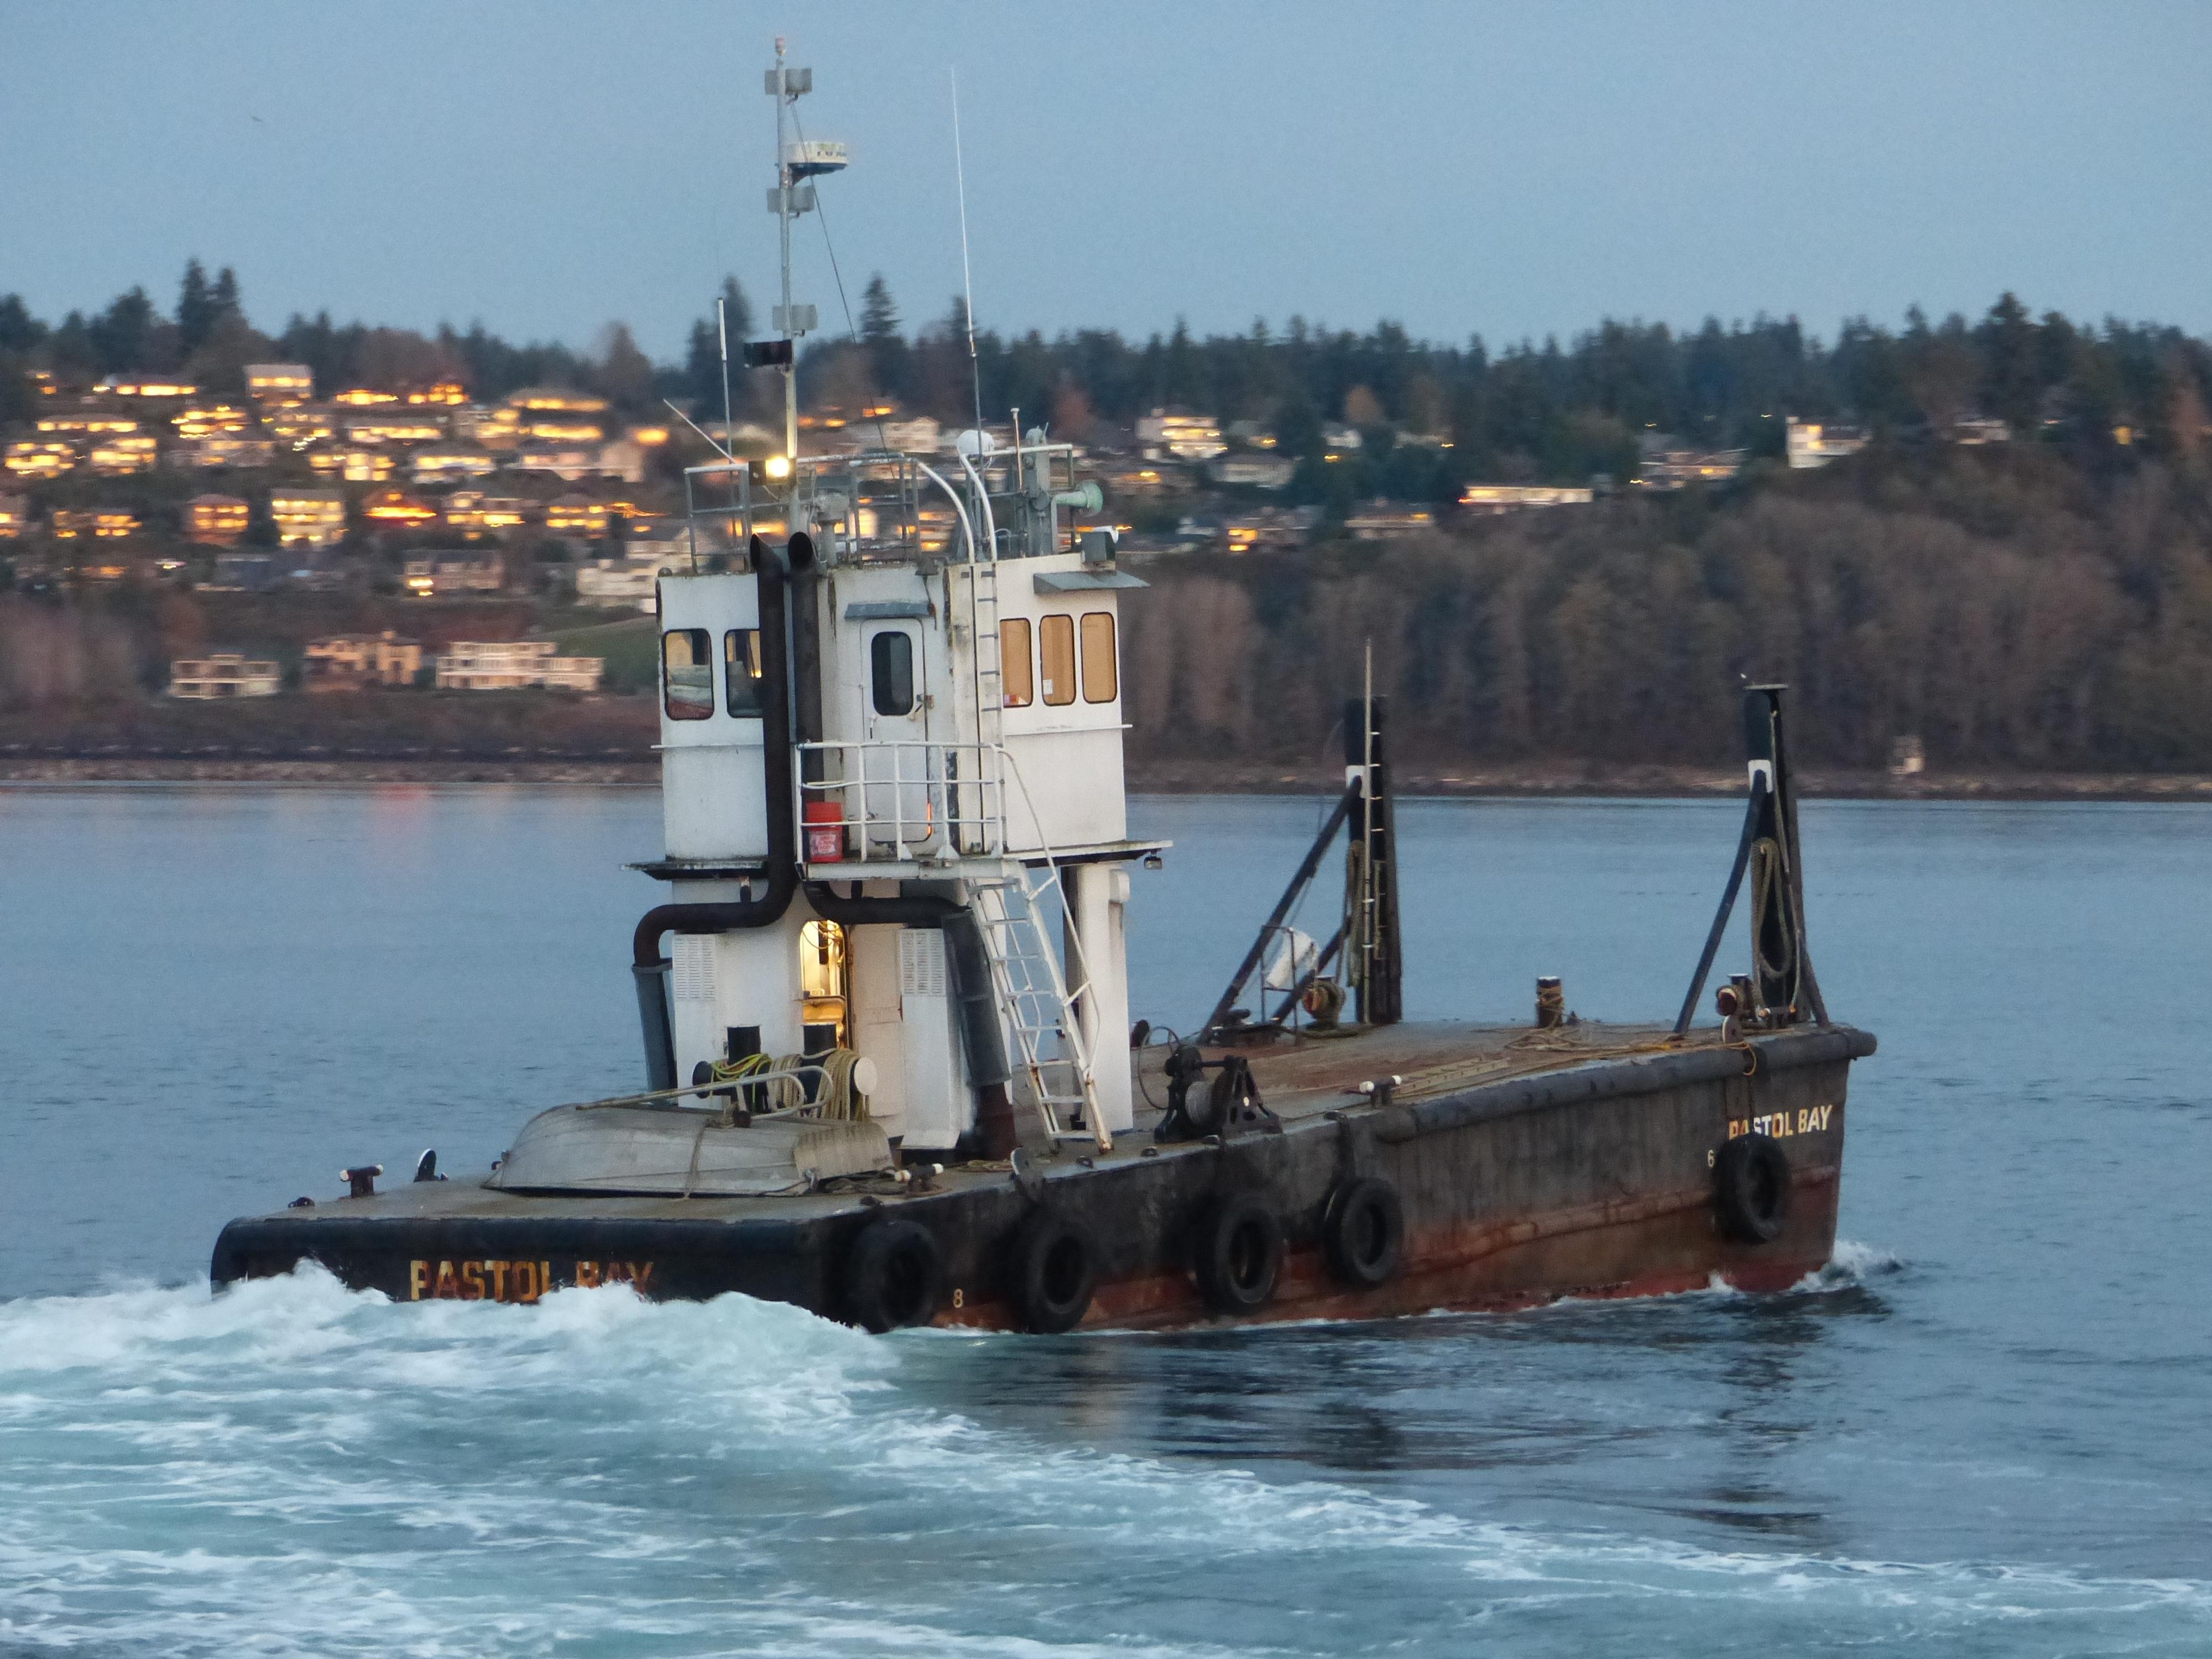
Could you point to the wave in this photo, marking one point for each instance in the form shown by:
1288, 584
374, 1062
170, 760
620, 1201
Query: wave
328, 1473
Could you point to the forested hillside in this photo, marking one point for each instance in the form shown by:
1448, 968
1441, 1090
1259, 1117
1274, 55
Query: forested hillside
2000, 604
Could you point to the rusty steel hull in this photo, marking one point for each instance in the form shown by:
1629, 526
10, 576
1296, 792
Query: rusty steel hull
1594, 1179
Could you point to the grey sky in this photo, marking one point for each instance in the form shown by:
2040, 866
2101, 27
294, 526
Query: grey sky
1512, 170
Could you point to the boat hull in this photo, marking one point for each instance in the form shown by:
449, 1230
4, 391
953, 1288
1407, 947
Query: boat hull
1597, 1179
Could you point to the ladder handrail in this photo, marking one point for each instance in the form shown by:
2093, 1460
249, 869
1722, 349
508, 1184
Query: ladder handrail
1074, 935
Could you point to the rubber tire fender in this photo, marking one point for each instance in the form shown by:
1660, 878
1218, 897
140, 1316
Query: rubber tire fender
1364, 1233
1052, 1273
1239, 1253
894, 1276
1751, 1188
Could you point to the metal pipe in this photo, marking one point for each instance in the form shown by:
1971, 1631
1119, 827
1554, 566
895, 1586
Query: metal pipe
772, 576
1728, 903
1305, 873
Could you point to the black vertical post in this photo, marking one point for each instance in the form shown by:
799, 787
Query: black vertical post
1780, 966
1374, 832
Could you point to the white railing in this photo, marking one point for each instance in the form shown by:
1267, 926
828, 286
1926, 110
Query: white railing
891, 801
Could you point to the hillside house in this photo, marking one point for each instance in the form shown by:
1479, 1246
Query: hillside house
160, 387
441, 462
308, 518
568, 462
211, 420
1816, 443
1389, 521
1179, 436
444, 575
279, 385
1672, 469
577, 515
225, 674
477, 513
1489, 500
514, 666
215, 521
208, 453
301, 425
86, 423
617, 584
556, 399
353, 463
348, 662
395, 509
392, 426
1251, 472
117, 456
242, 572
34, 458
92, 523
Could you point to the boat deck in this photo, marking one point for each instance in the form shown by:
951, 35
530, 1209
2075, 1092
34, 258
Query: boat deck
1299, 1076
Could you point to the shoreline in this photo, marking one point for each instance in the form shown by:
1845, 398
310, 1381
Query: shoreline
1562, 780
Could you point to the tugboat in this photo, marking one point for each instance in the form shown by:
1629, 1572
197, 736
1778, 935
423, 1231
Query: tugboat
890, 1070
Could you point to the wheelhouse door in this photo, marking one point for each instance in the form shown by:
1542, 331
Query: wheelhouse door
899, 791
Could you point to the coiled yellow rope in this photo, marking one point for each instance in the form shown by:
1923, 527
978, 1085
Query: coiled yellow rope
835, 1099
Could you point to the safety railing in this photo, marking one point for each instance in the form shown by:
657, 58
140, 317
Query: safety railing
895, 800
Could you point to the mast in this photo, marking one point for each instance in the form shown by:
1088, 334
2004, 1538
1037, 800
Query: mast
797, 158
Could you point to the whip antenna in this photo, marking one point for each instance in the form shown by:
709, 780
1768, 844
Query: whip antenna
967, 271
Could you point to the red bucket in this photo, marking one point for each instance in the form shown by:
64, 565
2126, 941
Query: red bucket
825, 832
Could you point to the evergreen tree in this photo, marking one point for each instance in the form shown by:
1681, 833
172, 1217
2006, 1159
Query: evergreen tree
879, 317
197, 309
122, 336
702, 356
880, 337
19, 329
2012, 387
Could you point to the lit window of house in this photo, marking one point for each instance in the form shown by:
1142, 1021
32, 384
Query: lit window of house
216, 521
308, 518
279, 383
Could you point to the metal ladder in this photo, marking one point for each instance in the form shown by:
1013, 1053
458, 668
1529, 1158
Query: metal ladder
1035, 998
986, 685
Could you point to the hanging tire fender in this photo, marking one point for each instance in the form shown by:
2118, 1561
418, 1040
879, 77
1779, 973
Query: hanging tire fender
894, 1276
1363, 1231
1751, 1188
1238, 1254
1052, 1272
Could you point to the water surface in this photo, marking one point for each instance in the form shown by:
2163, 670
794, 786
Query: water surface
1980, 1432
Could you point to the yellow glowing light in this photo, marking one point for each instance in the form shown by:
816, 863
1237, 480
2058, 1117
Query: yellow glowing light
779, 466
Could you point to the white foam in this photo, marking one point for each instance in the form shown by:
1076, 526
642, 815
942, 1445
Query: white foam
291, 1468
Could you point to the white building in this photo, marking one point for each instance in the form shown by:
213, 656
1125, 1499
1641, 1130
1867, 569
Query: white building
225, 674
1815, 443
1257, 471
1493, 499
616, 582
1184, 437
513, 664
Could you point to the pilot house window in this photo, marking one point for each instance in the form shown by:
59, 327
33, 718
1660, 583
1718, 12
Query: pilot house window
1056, 646
741, 670
890, 672
1100, 681
1016, 671
687, 674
